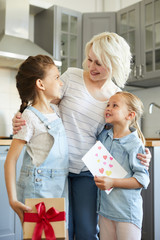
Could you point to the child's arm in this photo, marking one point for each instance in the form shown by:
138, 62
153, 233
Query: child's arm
10, 177
105, 183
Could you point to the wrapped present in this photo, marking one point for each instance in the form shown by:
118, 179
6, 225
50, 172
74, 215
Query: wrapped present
46, 220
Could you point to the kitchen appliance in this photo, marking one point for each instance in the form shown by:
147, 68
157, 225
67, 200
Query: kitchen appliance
15, 45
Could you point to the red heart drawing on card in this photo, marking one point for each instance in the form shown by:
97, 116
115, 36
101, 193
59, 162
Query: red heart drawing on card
111, 158
105, 157
110, 165
101, 170
99, 147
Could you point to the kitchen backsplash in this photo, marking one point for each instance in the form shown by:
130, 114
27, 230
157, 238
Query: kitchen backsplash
10, 102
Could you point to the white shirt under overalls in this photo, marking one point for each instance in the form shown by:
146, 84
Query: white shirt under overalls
35, 130
44, 172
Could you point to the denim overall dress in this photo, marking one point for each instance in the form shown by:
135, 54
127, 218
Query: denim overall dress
50, 179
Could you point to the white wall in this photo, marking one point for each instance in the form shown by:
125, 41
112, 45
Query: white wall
9, 100
115, 5
82, 5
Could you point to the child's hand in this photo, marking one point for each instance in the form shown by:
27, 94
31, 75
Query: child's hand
17, 122
103, 182
19, 208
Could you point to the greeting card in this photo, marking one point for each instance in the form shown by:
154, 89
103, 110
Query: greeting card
101, 163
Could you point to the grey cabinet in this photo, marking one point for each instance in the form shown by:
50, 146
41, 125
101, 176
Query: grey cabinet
58, 31
139, 24
151, 196
10, 226
95, 23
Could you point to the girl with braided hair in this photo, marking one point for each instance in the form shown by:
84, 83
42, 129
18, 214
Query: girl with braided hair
44, 172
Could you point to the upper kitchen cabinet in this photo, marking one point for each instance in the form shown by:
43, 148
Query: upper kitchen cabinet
139, 24
58, 31
95, 23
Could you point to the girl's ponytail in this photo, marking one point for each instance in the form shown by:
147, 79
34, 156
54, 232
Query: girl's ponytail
140, 134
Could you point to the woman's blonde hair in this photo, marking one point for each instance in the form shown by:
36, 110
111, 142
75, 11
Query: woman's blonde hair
136, 105
113, 52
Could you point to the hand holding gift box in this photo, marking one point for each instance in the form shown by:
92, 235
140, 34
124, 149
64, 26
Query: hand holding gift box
101, 163
46, 221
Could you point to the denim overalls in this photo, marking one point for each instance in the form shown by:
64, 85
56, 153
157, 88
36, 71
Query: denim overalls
50, 179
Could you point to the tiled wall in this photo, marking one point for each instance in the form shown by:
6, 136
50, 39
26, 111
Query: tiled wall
9, 100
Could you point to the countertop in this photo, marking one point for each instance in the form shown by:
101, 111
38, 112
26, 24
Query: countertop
150, 142
5, 142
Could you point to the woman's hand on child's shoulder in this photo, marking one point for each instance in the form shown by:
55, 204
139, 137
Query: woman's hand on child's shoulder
17, 122
103, 182
19, 208
145, 158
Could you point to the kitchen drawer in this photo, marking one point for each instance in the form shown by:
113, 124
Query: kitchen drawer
4, 149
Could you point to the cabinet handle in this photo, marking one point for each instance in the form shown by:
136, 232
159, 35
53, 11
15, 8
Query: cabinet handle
141, 70
135, 71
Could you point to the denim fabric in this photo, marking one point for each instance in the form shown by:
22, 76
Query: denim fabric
124, 205
50, 179
83, 219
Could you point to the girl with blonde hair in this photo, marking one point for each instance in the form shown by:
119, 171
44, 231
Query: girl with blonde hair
121, 211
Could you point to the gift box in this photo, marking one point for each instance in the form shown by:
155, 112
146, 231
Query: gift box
46, 220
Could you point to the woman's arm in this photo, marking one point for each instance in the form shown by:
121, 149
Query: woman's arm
105, 183
10, 176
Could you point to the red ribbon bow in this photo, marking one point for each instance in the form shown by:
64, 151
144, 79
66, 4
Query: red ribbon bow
43, 219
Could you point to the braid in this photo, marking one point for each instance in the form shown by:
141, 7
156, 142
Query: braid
23, 106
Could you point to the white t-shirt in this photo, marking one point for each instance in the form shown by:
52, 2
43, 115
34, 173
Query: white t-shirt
82, 115
39, 141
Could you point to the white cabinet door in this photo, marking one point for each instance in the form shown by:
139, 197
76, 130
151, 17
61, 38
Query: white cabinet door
10, 226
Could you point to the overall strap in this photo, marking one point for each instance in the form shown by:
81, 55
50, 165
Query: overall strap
39, 115
55, 109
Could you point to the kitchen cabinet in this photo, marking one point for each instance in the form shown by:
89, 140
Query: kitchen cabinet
95, 23
151, 196
10, 226
139, 24
58, 31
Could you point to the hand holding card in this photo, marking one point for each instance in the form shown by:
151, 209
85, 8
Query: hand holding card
101, 163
